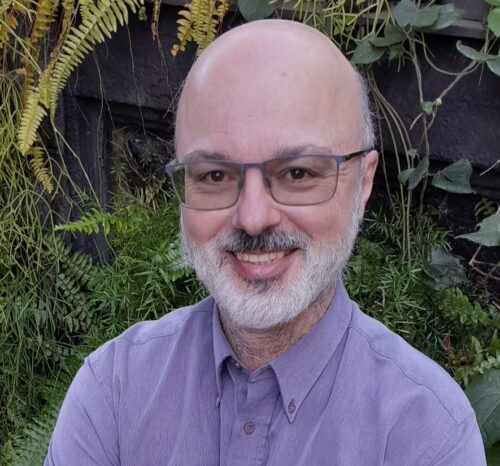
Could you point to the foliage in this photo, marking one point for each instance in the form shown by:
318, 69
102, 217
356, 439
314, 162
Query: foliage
44, 308
255, 9
199, 22
489, 232
411, 299
29, 445
484, 394
147, 277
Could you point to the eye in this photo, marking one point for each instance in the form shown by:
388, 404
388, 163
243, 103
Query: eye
215, 176
297, 173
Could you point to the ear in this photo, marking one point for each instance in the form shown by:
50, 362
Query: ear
370, 166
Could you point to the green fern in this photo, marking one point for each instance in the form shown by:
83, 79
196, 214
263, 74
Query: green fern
29, 447
92, 222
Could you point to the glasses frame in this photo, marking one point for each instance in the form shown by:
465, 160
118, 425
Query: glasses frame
169, 171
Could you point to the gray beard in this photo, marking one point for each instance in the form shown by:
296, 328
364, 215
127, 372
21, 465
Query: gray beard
267, 303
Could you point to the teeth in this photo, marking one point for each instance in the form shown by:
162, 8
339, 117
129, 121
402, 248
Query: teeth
262, 258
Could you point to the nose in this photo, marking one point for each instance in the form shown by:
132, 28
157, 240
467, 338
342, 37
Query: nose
256, 210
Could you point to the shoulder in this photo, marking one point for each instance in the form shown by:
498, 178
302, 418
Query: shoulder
152, 342
407, 366
424, 412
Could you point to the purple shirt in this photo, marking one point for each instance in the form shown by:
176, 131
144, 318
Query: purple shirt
349, 393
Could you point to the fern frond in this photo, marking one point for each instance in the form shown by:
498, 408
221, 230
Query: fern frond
184, 30
44, 17
92, 222
83, 6
101, 22
199, 22
30, 446
41, 172
32, 115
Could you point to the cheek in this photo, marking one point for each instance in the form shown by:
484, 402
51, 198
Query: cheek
324, 223
201, 227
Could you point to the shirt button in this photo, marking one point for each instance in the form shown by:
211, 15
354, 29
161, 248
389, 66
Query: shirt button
237, 364
291, 407
249, 428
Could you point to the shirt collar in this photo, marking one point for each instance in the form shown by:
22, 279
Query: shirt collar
222, 350
299, 367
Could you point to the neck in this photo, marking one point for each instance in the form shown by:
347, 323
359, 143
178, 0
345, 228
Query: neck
257, 348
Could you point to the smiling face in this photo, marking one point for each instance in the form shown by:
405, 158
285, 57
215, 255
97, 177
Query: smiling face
265, 90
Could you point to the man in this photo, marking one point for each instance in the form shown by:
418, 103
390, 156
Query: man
275, 166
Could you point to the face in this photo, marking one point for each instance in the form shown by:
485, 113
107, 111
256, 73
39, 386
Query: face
264, 262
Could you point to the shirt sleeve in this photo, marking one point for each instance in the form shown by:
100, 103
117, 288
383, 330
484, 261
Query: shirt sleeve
464, 448
86, 431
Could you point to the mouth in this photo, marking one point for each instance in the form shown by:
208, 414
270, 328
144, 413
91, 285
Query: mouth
262, 264
261, 257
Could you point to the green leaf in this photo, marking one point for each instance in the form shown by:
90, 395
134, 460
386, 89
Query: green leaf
447, 15
412, 153
489, 232
366, 53
493, 2
392, 35
484, 395
494, 21
454, 178
396, 51
494, 65
414, 175
428, 107
404, 13
426, 17
473, 54
444, 270
429, 18
256, 9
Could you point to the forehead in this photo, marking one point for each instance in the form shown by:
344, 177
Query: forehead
251, 102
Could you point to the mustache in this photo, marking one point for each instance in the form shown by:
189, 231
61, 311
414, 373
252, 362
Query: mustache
268, 240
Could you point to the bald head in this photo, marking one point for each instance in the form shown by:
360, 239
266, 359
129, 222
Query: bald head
272, 68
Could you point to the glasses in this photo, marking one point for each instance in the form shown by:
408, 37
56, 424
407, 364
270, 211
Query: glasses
293, 181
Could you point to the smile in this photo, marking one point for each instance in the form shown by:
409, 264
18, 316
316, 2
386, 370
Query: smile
260, 258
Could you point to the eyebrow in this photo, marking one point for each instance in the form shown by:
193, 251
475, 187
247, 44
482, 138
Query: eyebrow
282, 152
306, 149
201, 154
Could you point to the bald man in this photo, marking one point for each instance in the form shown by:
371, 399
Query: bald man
274, 167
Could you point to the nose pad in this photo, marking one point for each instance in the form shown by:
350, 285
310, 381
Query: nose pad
267, 182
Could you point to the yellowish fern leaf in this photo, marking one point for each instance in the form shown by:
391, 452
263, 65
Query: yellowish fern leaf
68, 15
184, 30
31, 118
44, 17
199, 22
37, 162
83, 6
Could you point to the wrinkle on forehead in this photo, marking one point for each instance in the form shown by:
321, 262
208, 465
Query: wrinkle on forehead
264, 66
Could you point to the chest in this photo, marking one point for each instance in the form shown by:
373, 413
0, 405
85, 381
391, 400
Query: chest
187, 423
